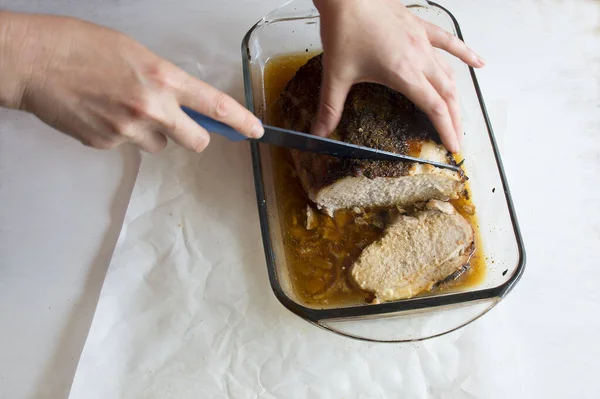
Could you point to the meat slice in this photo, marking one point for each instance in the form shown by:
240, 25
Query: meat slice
415, 253
374, 116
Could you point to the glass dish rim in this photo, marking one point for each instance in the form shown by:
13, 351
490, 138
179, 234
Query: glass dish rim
388, 308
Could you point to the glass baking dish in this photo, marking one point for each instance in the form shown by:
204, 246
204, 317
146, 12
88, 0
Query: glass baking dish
293, 28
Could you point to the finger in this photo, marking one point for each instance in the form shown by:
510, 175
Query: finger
446, 41
446, 90
446, 83
150, 141
211, 102
185, 132
99, 142
441, 61
420, 91
331, 104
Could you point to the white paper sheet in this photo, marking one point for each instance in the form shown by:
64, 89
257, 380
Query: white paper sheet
186, 310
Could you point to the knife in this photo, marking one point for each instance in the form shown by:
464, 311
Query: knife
307, 142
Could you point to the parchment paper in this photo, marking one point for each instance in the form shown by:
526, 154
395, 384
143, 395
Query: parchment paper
186, 310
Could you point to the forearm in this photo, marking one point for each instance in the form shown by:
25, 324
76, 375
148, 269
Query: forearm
14, 65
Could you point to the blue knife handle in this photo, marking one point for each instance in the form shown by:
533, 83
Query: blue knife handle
214, 126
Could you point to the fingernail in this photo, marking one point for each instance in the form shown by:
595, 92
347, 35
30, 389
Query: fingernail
454, 147
478, 60
257, 131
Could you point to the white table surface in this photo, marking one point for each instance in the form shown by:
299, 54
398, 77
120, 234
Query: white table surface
61, 204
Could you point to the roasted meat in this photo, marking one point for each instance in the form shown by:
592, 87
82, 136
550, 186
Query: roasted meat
415, 253
377, 117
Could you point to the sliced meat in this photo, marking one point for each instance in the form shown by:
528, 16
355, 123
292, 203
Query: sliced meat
415, 253
374, 116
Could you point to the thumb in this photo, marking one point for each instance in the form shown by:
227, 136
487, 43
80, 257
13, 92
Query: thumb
333, 96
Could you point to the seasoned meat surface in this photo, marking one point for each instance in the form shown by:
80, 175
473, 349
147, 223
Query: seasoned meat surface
374, 116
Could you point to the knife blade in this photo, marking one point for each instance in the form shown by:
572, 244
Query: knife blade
307, 142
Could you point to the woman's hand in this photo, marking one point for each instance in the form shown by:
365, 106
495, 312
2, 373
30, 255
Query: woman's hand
104, 88
381, 41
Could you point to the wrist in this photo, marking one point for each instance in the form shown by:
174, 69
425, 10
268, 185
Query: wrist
14, 70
